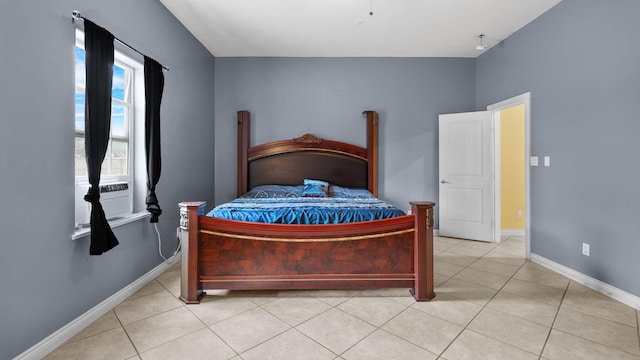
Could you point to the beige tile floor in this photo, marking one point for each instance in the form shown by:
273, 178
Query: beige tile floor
491, 304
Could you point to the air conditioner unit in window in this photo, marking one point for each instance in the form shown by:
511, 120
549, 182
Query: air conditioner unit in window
115, 199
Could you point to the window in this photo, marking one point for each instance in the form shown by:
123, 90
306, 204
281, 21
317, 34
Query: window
117, 163
120, 160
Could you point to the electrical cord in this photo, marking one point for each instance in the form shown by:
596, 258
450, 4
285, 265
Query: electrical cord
155, 225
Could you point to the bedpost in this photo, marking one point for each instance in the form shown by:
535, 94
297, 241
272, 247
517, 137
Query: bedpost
243, 151
372, 151
189, 229
423, 250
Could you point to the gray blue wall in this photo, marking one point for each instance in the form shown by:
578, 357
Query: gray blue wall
581, 63
46, 279
288, 97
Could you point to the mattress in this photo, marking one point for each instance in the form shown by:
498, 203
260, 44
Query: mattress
285, 205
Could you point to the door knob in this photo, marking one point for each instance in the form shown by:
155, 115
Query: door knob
445, 182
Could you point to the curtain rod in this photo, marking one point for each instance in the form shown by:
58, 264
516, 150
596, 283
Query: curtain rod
77, 16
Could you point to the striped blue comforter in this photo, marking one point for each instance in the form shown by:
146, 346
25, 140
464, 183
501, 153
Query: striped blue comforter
286, 205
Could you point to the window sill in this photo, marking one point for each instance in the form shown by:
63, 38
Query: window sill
114, 223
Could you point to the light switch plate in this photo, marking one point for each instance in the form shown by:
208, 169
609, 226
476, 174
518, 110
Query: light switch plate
547, 161
533, 161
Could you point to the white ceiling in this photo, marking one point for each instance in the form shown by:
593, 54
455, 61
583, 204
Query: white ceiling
344, 28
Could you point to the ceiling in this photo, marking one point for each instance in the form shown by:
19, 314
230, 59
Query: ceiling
345, 28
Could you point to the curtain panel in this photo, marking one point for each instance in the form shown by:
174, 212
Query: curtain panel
153, 87
99, 56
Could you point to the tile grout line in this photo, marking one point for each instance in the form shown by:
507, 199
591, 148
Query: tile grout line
295, 328
208, 328
125, 329
376, 328
365, 337
385, 323
594, 341
240, 313
135, 348
483, 307
291, 327
182, 305
148, 317
564, 294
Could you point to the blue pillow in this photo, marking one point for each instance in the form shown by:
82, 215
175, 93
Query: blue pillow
316, 182
315, 188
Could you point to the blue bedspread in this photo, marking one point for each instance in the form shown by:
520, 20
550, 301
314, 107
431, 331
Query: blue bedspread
286, 205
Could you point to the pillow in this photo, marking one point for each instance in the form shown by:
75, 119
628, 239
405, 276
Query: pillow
349, 193
316, 182
315, 188
273, 191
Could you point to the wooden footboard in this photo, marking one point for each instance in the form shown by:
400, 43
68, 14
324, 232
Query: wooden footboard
227, 254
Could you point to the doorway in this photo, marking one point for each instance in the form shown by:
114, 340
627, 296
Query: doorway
510, 179
460, 217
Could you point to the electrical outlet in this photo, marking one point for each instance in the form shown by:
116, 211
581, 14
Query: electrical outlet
585, 249
519, 213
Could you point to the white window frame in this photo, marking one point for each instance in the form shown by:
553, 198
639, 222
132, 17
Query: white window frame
136, 176
134, 66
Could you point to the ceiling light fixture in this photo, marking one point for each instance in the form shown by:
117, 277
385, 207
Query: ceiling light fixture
481, 46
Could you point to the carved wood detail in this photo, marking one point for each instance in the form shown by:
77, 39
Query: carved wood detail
307, 139
430, 218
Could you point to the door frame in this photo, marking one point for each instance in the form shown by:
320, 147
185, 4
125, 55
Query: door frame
523, 99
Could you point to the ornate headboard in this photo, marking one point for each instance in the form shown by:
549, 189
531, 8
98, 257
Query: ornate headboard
289, 162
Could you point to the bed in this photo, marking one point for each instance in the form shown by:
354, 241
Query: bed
394, 252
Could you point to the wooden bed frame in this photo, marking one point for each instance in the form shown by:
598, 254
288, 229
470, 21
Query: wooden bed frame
237, 255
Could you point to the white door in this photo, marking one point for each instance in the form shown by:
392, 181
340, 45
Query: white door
466, 179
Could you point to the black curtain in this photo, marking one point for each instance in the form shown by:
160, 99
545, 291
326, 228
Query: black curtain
153, 87
99, 55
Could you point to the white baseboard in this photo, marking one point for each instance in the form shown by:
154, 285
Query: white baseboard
53, 341
594, 284
508, 232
